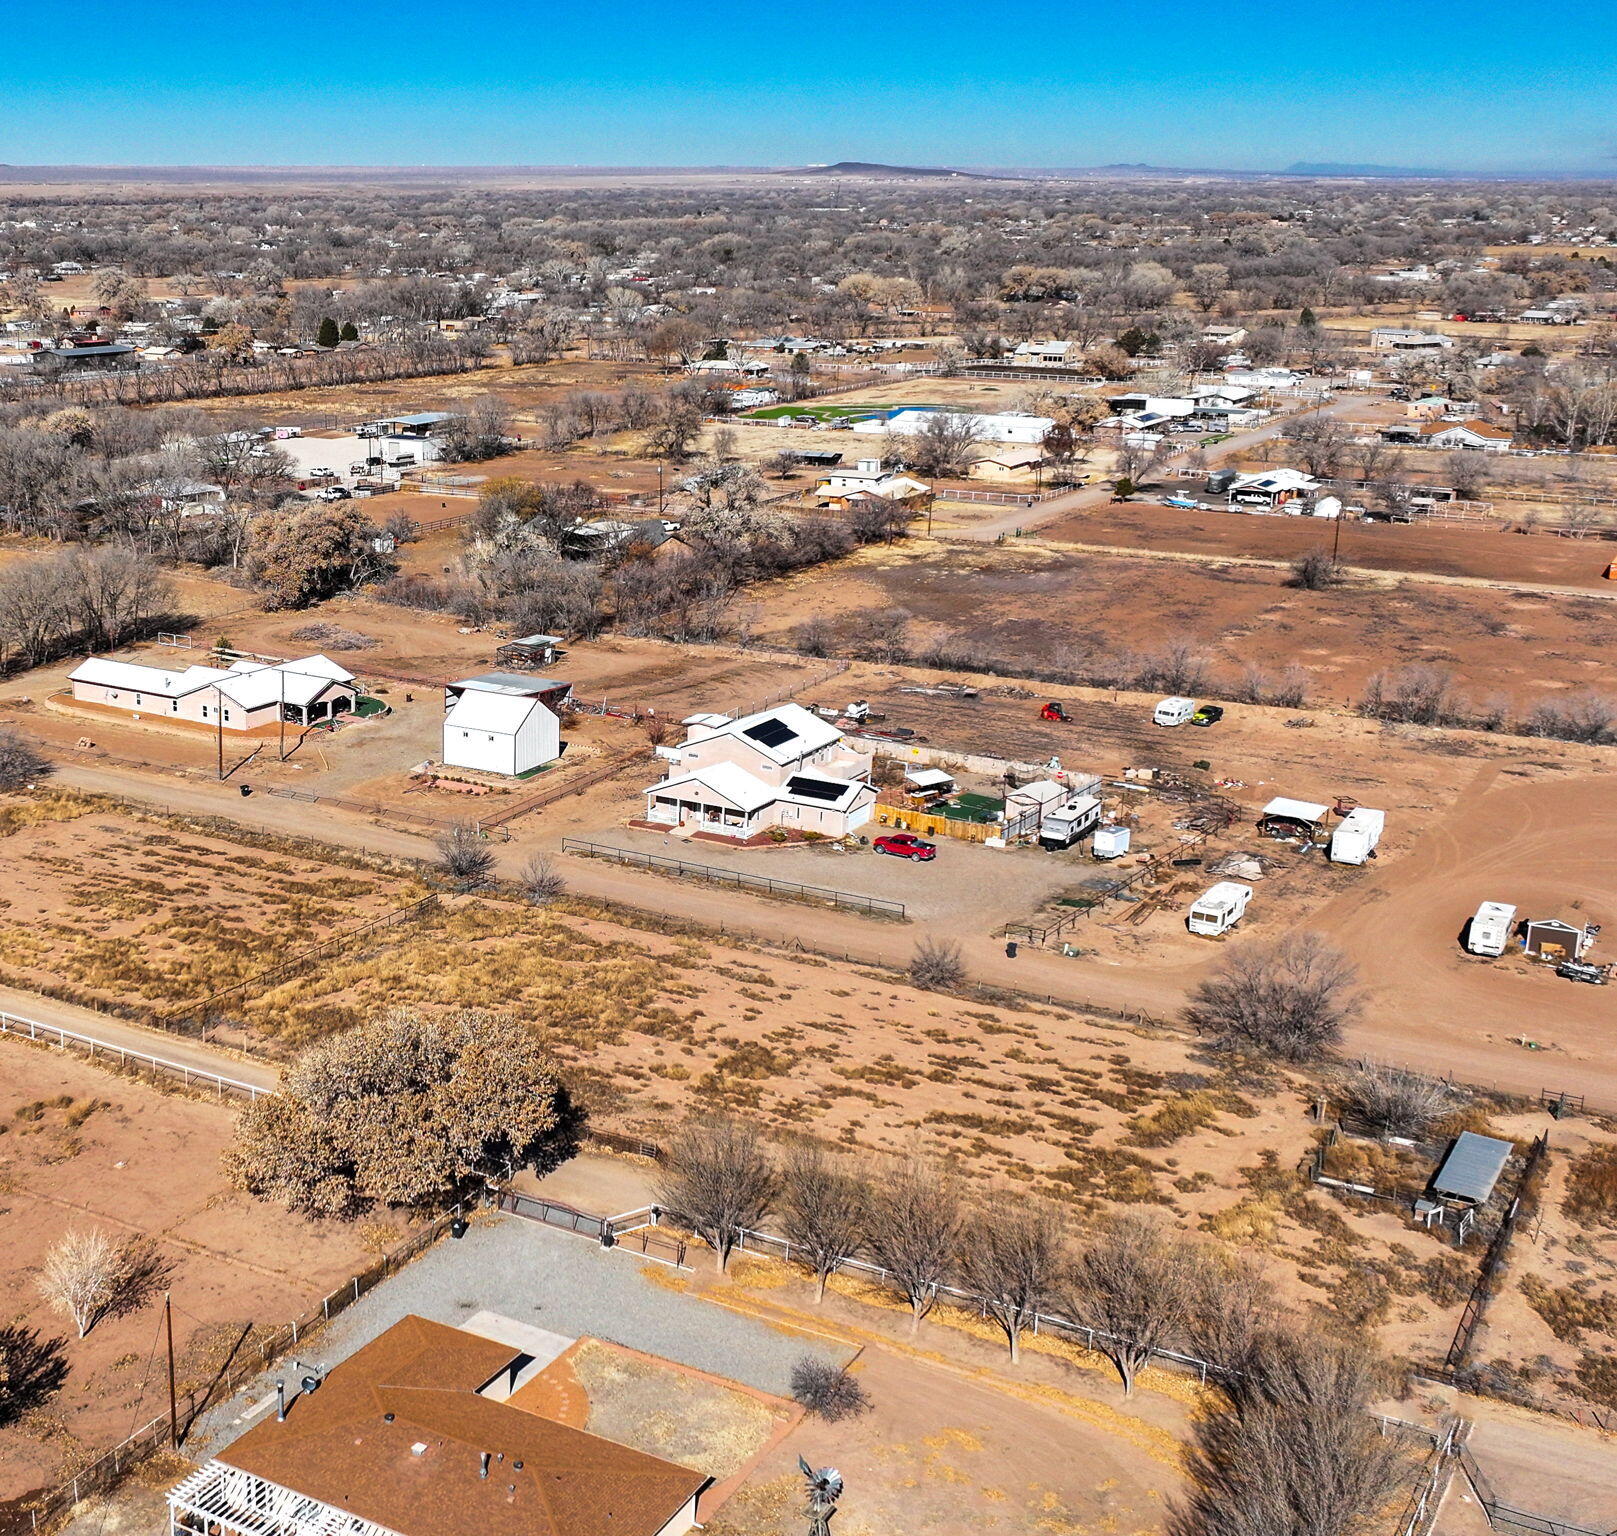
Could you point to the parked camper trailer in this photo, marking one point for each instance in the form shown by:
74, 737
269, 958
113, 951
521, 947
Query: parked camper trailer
1110, 842
1174, 711
1063, 826
1220, 909
1491, 928
1356, 836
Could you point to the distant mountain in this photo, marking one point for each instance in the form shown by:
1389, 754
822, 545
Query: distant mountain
1332, 168
878, 172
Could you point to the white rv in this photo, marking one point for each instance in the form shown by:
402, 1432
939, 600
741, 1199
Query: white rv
1491, 928
1063, 826
1356, 836
1220, 909
1174, 711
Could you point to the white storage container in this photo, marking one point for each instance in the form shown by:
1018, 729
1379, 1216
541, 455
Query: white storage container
1111, 842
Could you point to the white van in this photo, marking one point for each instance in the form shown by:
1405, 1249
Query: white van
1356, 835
1174, 711
1220, 909
1491, 928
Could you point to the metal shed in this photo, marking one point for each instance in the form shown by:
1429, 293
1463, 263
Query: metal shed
1472, 1168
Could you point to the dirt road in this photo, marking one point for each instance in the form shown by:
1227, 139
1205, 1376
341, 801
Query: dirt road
1445, 1015
121, 1034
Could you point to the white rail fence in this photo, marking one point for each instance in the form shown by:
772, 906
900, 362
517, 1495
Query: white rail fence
71, 1039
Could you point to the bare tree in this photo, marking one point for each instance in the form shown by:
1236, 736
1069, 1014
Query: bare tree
824, 1206
1134, 1282
1395, 1102
936, 965
540, 880
718, 1179
827, 1390
1290, 998
1580, 520
1296, 1450
1016, 1259
91, 1275
1315, 571
464, 855
914, 1224
21, 762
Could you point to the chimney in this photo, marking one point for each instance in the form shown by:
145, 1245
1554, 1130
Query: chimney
483, 1470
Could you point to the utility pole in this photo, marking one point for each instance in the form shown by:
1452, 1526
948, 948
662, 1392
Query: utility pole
282, 717
173, 1403
219, 728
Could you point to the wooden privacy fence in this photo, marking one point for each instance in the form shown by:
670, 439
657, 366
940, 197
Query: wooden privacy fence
936, 824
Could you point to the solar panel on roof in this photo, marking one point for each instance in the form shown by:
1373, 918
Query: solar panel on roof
815, 789
771, 733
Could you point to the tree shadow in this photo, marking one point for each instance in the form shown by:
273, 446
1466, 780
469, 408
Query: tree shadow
32, 1370
146, 1270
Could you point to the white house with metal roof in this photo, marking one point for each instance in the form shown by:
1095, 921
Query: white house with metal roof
245, 696
782, 768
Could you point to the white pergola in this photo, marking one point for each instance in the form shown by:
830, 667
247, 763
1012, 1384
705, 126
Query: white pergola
221, 1500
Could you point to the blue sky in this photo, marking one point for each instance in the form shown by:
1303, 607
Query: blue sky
1478, 86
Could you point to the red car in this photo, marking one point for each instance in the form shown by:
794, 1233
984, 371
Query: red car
905, 845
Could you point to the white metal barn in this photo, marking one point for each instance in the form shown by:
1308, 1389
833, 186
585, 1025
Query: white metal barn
500, 733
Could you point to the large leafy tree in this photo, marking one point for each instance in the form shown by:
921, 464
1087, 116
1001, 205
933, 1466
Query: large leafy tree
404, 1110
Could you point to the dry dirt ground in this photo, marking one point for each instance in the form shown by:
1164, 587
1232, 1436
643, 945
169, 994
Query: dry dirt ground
1444, 550
81, 1148
130, 916
523, 388
1057, 607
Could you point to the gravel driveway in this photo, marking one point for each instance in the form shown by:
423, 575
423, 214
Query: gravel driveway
552, 1280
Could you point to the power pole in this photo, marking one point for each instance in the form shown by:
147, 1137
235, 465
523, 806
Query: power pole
282, 718
219, 728
173, 1402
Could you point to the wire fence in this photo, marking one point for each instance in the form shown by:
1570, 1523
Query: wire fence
791, 890
251, 1357
344, 939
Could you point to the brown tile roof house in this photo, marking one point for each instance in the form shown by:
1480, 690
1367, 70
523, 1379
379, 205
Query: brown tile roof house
401, 1438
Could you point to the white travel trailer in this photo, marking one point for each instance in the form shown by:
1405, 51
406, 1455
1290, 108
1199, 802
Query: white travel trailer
1220, 909
1063, 826
1356, 835
1174, 711
1491, 928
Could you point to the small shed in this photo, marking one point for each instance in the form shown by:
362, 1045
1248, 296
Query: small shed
1554, 940
1472, 1168
928, 783
529, 651
1292, 818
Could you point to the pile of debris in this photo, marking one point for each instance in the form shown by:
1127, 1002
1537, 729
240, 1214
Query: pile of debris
333, 637
1242, 866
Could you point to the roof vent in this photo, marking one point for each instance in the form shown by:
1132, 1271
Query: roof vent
387, 1418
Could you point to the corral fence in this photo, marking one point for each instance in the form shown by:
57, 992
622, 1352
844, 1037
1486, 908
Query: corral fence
250, 1358
791, 890
1476, 1303
999, 498
99, 1050
1507, 1517
345, 939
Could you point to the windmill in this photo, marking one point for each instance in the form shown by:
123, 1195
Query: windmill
824, 1488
